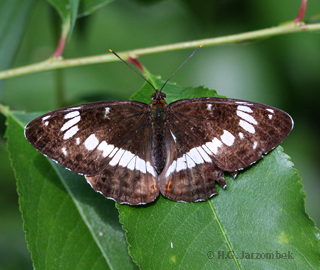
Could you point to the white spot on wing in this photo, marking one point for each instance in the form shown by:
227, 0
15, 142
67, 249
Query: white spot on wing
246, 126
113, 152
270, 116
73, 108
105, 148
64, 151
78, 140
243, 102
70, 123
132, 163
241, 135
205, 147
151, 170
209, 106
195, 156
126, 158
116, 159
214, 145
107, 111
46, 123
270, 110
203, 154
141, 165
171, 168
255, 145
71, 132
227, 138
244, 108
91, 142
46, 117
181, 163
71, 114
190, 162
249, 118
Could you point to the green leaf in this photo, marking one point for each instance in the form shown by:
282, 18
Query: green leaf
172, 90
70, 10
67, 224
13, 20
260, 214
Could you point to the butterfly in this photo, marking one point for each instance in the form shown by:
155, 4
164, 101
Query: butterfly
130, 151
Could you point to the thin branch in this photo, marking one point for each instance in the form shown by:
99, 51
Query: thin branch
59, 62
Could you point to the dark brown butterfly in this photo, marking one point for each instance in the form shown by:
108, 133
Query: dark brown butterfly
129, 150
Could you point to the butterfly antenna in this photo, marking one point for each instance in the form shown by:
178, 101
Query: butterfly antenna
181, 66
133, 69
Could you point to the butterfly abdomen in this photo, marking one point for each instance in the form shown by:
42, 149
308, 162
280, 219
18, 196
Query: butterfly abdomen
158, 135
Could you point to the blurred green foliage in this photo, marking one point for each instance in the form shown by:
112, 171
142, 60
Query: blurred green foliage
282, 71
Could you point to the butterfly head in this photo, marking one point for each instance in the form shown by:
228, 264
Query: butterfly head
158, 97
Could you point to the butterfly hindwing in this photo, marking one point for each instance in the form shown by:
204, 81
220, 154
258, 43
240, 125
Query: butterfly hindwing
210, 135
189, 174
130, 177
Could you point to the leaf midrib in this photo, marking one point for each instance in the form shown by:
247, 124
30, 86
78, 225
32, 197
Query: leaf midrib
223, 233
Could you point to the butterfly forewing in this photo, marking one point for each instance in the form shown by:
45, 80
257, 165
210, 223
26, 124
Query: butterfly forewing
234, 133
79, 137
208, 135
109, 142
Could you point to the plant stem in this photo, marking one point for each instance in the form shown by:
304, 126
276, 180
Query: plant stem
63, 39
302, 11
59, 62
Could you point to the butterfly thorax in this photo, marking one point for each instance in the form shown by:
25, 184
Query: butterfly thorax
158, 108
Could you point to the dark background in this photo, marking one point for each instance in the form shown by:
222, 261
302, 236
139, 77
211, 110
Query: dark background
281, 71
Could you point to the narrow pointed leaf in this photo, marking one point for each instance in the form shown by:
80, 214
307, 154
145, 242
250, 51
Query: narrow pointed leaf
67, 224
14, 15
